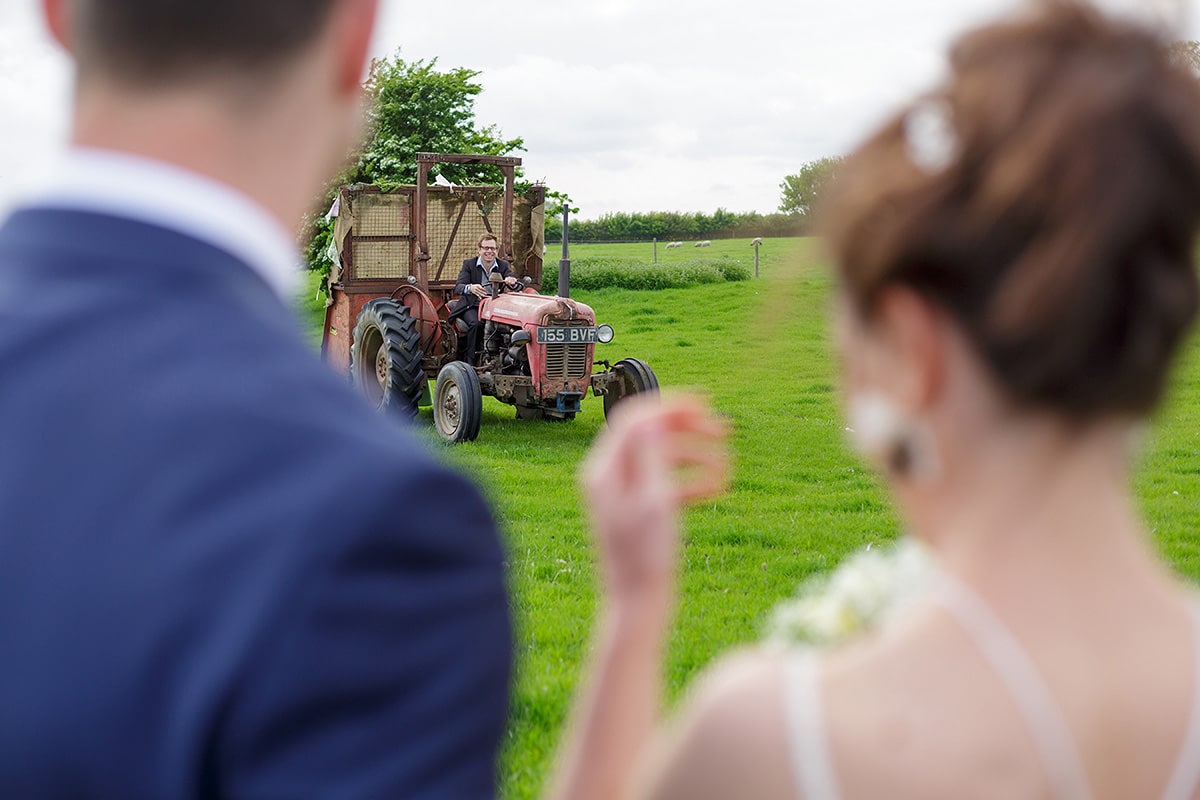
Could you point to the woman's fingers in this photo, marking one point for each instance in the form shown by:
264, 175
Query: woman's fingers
651, 442
656, 458
700, 474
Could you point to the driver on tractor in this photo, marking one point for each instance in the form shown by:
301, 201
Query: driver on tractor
473, 282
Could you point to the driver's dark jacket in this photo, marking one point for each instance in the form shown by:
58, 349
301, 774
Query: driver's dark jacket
472, 272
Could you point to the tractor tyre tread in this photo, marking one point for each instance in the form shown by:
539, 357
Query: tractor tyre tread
402, 340
469, 403
640, 379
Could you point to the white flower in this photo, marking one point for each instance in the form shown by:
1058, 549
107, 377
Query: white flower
865, 590
930, 135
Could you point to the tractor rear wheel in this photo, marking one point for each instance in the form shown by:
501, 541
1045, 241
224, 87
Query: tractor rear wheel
385, 357
636, 378
457, 403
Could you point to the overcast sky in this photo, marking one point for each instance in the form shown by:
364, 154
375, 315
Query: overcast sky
627, 105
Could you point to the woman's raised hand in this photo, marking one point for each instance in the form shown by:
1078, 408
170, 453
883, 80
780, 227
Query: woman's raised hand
657, 456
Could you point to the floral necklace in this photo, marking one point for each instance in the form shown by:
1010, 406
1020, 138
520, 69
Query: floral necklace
866, 589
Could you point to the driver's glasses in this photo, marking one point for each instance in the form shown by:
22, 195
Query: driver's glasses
492, 249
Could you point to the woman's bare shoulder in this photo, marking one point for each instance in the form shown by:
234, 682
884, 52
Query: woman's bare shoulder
729, 736
916, 712
887, 703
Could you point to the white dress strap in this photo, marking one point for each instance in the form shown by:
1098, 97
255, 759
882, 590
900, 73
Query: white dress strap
1185, 778
1051, 735
808, 741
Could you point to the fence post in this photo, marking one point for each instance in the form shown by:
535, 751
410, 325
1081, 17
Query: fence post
756, 244
655, 249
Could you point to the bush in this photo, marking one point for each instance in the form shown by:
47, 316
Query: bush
621, 273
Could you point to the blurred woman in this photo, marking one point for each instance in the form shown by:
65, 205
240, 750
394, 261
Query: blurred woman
1016, 262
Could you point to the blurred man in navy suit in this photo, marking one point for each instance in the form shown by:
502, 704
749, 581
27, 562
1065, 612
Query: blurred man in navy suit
220, 574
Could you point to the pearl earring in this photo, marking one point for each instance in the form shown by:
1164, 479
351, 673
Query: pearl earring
884, 433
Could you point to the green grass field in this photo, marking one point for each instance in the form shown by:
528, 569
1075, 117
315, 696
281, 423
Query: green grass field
800, 501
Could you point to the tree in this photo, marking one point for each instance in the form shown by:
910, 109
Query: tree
802, 190
416, 108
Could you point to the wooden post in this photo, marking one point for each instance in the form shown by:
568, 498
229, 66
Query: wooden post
507, 222
421, 269
756, 244
655, 249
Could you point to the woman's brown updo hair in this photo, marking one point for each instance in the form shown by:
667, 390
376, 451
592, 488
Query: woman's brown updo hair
1052, 216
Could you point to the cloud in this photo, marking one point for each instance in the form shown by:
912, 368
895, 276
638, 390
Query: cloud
624, 104
648, 106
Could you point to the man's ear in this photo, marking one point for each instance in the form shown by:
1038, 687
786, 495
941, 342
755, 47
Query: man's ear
56, 15
913, 328
354, 22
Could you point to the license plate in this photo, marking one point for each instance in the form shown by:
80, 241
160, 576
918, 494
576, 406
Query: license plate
566, 335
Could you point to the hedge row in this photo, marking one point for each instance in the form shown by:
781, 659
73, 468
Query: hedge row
619, 273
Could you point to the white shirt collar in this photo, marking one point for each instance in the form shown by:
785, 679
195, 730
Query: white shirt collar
125, 185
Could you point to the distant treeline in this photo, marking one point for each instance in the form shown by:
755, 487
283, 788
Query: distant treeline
667, 226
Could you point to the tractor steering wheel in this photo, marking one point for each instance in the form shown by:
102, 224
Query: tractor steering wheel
501, 286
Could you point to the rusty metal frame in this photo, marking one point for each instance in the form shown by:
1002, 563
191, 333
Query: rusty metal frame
351, 238
351, 291
508, 167
469, 193
462, 212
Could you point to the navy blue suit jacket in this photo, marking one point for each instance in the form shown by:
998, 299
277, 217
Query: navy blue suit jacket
221, 575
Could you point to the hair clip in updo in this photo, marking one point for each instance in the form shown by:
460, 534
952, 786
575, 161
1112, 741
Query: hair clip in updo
930, 135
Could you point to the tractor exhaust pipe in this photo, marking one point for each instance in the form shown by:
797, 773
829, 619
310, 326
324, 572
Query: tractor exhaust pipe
564, 265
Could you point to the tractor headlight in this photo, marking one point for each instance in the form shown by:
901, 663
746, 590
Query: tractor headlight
605, 334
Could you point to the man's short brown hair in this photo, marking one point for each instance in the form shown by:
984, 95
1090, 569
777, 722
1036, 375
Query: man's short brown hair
488, 237
157, 41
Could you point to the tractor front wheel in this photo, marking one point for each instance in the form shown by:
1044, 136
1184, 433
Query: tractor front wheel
457, 403
636, 377
385, 358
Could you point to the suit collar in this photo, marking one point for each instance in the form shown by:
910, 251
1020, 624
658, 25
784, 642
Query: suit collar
140, 189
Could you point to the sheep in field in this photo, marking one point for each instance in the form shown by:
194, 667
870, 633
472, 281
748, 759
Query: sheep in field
705, 243
674, 244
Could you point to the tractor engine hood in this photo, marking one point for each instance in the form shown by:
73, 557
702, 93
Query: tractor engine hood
520, 310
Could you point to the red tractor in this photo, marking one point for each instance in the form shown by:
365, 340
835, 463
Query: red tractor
390, 324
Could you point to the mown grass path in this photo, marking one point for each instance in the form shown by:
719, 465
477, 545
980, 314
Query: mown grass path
800, 501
